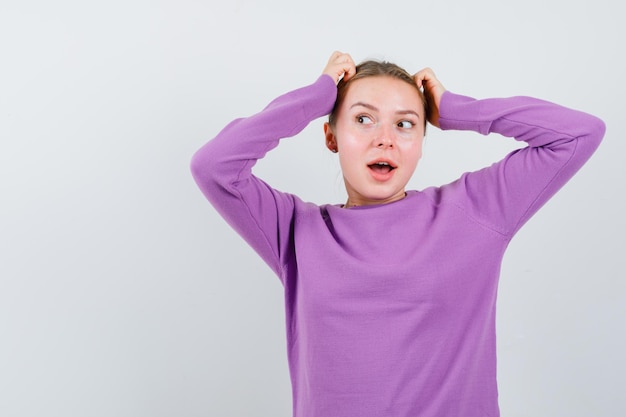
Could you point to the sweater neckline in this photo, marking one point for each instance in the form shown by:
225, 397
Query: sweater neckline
409, 195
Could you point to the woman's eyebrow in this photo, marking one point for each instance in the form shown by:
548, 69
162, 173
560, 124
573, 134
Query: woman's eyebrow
374, 108
366, 105
413, 112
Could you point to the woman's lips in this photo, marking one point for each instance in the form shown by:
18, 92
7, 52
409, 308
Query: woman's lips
381, 171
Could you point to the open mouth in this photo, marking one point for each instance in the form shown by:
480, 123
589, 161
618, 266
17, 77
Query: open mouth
382, 167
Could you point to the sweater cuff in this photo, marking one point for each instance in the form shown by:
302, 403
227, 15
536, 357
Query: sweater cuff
458, 112
325, 98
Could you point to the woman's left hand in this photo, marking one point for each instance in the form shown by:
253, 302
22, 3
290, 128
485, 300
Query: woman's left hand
433, 90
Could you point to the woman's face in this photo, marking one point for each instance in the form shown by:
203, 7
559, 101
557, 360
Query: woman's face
378, 133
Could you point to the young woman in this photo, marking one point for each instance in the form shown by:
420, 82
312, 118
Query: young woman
390, 298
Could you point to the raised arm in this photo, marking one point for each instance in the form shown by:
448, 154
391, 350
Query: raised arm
505, 195
222, 168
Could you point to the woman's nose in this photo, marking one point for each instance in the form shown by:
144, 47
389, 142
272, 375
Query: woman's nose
384, 139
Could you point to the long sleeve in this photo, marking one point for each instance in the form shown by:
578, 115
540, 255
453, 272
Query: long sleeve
222, 168
505, 195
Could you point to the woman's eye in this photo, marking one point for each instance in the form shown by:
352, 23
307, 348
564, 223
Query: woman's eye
405, 124
363, 120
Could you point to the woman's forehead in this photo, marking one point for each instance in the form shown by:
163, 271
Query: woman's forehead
383, 91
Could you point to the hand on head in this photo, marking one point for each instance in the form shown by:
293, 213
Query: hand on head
340, 65
433, 90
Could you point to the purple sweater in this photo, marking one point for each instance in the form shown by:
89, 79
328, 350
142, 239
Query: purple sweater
390, 309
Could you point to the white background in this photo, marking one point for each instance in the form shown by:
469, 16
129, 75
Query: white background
122, 293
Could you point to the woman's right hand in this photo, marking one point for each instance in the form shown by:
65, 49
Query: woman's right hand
340, 65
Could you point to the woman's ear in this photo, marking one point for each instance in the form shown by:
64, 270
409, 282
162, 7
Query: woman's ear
331, 140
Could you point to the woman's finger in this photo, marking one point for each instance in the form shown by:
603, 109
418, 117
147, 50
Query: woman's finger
340, 64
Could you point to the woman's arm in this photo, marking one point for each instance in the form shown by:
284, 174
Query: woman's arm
505, 195
222, 168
